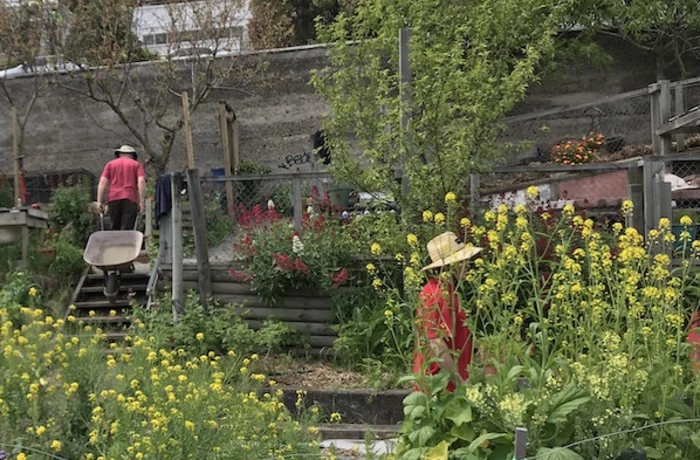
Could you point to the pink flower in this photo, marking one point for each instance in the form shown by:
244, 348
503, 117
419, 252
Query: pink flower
301, 267
340, 278
239, 276
283, 262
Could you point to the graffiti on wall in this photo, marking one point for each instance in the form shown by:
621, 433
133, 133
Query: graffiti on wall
292, 161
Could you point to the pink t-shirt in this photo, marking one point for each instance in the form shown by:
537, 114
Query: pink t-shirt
123, 175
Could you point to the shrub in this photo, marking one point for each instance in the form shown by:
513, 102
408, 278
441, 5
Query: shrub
70, 211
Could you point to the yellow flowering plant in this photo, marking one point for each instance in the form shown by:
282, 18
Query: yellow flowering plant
580, 329
61, 393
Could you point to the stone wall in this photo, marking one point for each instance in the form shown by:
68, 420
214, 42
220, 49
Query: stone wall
277, 114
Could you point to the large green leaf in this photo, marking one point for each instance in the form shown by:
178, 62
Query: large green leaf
565, 402
463, 432
483, 438
438, 452
557, 453
458, 411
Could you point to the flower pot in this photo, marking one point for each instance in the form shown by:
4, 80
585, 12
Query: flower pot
339, 196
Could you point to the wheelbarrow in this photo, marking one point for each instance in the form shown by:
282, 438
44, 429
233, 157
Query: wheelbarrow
113, 252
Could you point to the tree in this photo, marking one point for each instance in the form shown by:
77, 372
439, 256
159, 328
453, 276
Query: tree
282, 23
203, 43
471, 63
667, 29
28, 31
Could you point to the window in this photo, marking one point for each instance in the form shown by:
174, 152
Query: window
149, 39
161, 39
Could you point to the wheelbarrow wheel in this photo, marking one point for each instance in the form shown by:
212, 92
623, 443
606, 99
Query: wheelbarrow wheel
112, 286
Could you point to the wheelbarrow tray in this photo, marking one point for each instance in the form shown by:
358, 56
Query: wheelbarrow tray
112, 248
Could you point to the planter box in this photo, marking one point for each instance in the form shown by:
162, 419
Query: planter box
601, 190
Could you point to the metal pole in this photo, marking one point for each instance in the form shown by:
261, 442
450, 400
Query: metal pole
176, 215
15, 152
406, 76
520, 443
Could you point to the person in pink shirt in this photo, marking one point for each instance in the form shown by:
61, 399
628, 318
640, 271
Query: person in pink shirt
126, 180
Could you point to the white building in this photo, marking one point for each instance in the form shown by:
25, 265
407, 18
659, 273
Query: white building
168, 28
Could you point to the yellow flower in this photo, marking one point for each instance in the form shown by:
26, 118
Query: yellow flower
254, 357
112, 313
377, 283
388, 313
40, 430
91, 313
336, 417
371, 268
189, 425
569, 210
412, 239
376, 249
199, 336
664, 223
427, 216
439, 218
532, 192
450, 197
627, 207
465, 222
33, 292
56, 445
686, 220
21, 456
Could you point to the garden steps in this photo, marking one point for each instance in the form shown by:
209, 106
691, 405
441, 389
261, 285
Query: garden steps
89, 297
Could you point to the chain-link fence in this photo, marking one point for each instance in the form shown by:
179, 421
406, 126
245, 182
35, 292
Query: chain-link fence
623, 120
39, 186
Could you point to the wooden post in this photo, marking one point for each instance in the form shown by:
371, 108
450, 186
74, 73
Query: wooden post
635, 192
16, 155
199, 226
648, 171
176, 219
654, 92
679, 110
188, 129
235, 143
474, 195
665, 114
223, 128
148, 231
520, 443
298, 205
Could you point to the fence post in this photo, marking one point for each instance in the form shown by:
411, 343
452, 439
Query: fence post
520, 443
17, 159
654, 92
679, 110
188, 129
298, 205
405, 74
664, 115
199, 226
148, 229
474, 185
635, 191
176, 220
223, 128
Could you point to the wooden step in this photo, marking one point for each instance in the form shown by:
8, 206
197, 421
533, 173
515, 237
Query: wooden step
357, 431
105, 319
124, 276
115, 336
122, 288
102, 304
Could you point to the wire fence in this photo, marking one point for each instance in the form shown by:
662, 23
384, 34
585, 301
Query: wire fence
39, 186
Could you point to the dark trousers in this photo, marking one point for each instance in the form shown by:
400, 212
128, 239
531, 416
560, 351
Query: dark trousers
122, 214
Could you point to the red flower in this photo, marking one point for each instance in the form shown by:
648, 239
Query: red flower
340, 278
301, 267
283, 262
239, 276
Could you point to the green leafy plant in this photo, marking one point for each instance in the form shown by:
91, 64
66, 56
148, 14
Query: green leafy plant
70, 213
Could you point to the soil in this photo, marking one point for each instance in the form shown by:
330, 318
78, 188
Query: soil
319, 375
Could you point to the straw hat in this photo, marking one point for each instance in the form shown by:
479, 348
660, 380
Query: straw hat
447, 249
126, 149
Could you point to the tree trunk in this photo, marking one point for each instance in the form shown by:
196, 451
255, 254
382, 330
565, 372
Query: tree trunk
660, 65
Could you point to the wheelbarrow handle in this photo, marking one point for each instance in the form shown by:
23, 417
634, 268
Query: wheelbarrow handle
102, 220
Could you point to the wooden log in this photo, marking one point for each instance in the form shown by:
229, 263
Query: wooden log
286, 314
317, 303
321, 341
318, 329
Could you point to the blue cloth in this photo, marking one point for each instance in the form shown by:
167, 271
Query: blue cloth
164, 197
